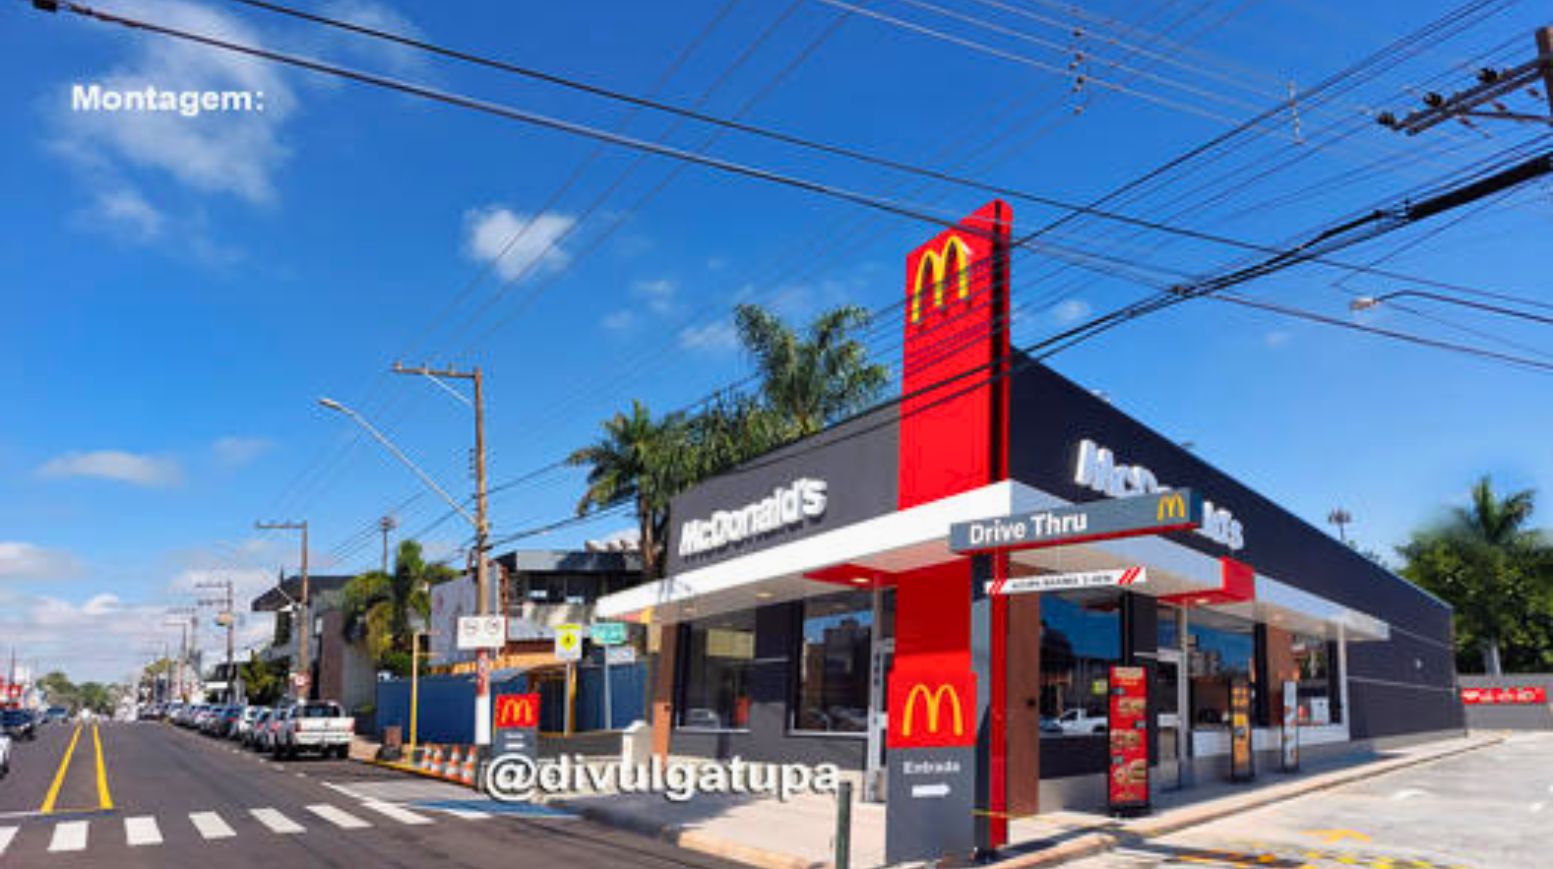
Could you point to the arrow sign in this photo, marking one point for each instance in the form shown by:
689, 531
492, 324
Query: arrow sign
1065, 581
935, 790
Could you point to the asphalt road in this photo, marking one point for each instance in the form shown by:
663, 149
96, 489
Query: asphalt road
1485, 809
160, 796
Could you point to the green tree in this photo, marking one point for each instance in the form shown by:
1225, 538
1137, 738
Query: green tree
814, 379
386, 607
263, 682
640, 460
1489, 564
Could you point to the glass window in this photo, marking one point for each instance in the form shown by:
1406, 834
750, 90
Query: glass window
718, 654
1219, 653
832, 662
1080, 639
1313, 660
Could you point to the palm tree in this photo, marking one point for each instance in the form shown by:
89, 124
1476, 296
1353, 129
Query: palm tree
1493, 569
641, 461
386, 607
814, 379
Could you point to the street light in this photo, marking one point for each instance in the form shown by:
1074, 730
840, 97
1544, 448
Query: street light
1365, 303
399, 454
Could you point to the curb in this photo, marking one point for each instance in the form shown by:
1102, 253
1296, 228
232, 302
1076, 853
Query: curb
1094, 843
690, 838
399, 767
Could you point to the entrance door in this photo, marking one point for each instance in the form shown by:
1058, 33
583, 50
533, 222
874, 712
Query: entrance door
875, 764
1168, 719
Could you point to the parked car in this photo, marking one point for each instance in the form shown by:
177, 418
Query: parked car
5, 755
244, 723
269, 737
317, 725
19, 724
1078, 721
224, 720
250, 729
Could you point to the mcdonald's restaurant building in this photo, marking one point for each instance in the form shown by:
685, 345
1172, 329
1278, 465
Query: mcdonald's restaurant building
809, 592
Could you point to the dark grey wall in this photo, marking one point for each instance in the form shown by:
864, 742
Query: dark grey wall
1401, 686
1511, 717
767, 739
857, 460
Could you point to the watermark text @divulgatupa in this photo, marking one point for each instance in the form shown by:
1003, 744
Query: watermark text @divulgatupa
154, 100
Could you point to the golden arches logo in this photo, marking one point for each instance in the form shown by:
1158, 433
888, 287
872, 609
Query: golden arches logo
933, 701
938, 269
517, 711
1171, 506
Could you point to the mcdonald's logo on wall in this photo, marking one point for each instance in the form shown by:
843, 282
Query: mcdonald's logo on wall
946, 269
1171, 506
932, 709
517, 711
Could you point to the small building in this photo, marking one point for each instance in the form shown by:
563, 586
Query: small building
340, 669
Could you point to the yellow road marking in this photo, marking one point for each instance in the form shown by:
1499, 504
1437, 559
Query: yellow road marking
1330, 836
104, 799
59, 777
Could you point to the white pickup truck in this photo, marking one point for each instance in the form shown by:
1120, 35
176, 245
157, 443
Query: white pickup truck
5, 755
316, 725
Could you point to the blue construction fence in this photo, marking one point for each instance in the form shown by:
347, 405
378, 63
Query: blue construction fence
447, 702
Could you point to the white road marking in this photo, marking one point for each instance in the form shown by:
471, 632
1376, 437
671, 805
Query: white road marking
1538, 806
211, 826
1409, 793
467, 814
398, 813
142, 830
277, 822
68, 836
338, 817
6, 835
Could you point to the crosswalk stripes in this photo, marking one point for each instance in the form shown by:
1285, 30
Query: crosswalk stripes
338, 817
142, 830
6, 835
69, 836
277, 822
466, 814
398, 813
211, 826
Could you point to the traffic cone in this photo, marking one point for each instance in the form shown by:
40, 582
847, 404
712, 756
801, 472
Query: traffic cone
455, 758
466, 773
425, 765
436, 761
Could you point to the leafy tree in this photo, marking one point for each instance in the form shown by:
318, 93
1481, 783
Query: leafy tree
813, 379
263, 682
640, 460
386, 607
1497, 572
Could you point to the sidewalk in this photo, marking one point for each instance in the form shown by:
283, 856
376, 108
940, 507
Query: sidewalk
799, 833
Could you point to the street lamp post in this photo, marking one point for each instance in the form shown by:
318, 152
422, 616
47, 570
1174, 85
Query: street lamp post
1365, 303
480, 520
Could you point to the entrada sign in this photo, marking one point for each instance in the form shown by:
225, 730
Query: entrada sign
1065, 581
786, 506
1176, 510
1098, 469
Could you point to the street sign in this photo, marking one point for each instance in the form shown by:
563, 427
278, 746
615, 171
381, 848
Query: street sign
608, 633
619, 655
300, 680
482, 632
1174, 510
568, 642
1066, 581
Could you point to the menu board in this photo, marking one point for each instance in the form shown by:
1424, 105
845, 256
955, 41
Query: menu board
1240, 768
1128, 779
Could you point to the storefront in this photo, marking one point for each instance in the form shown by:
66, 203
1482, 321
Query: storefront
802, 585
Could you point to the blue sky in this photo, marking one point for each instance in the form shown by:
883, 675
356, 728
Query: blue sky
179, 291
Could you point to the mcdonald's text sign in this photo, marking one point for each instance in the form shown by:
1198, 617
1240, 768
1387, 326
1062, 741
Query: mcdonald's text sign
517, 710
1171, 510
932, 709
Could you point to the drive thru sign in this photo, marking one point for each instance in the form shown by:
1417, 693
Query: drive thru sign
1172, 510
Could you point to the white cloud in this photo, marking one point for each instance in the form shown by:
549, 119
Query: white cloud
400, 59
518, 244
718, 337
124, 467
619, 321
658, 294
1277, 339
101, 638
1070, 311
234, 452
234, 153
124, 208
19, 560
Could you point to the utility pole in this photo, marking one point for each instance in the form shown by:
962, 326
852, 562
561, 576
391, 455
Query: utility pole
1493, 88
482, 532
302, 609
227, 618
185, 618
386, 525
